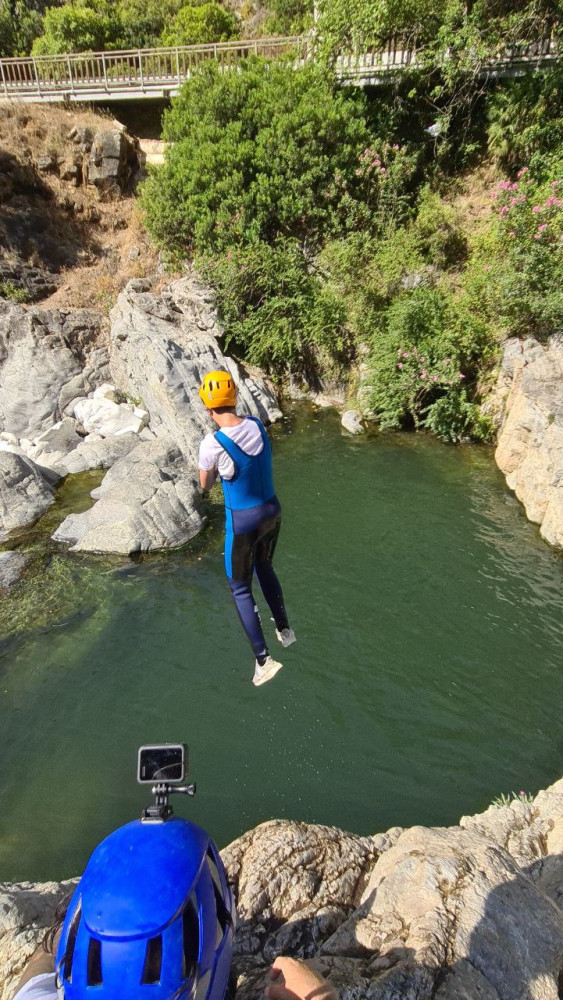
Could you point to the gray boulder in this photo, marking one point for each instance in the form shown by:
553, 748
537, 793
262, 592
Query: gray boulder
528, 408
114, 162
25, 493
32, 283
351, 421
418, 914
161, 347
12, 565
41, 355
149, 500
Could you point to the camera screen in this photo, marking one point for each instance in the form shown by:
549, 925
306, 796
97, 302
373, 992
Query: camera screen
162, 763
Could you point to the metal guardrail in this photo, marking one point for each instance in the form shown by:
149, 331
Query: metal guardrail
138, 73
128, 73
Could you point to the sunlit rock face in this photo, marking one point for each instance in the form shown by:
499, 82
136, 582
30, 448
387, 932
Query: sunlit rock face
528, 402
470, 912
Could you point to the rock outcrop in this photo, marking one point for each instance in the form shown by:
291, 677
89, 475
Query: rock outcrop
148, 500
161, 347
471, 912
58, 410
528, 403
25, 494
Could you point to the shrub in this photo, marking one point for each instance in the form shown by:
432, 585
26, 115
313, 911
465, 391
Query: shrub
526, 120
526, 255
423, 365
76, 28
195, 25
277, 313
268, 150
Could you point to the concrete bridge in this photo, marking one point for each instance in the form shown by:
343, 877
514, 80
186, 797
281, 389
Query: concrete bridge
144, 74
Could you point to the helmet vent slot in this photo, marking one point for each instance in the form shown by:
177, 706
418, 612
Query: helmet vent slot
94, 963
70, 945
190, 935
153, 962
224, 919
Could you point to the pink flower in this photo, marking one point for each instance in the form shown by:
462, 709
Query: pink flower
514, 187
400, 364
522, 199
542, 228
505, 186
383, 170
460, 375
487, 267
420, 358
406, 354
514, 201
536, 209
537, 236
395, 147
423, 374
523, 171
554, 184
229, 255
504, 210
434, 378
358, 172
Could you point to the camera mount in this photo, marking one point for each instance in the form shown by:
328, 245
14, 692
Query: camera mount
161, 810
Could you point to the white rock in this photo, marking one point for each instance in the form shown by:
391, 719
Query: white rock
352, 422
107, 391
61, 437
106, 418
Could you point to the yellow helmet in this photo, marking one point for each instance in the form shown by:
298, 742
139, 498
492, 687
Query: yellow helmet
218, 389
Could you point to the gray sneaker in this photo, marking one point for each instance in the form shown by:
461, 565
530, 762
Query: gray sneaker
266, 671
287, 637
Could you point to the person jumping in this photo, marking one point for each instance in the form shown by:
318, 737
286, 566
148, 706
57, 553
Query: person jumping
241, 455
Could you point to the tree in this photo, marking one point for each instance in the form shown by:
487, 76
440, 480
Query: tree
266, 151
77, 28
198, 25
20, 23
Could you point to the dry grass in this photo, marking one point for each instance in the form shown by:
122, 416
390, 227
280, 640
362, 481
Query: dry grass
97, 237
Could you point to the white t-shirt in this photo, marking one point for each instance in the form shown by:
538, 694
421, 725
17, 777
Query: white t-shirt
39, 988
212, 455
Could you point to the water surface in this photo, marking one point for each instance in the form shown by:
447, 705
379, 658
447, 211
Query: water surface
427, 677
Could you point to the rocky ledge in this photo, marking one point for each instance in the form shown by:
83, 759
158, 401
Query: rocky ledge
470, 912
528, 408
75, 396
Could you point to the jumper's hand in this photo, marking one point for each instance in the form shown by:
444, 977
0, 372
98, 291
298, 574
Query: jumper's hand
293, 979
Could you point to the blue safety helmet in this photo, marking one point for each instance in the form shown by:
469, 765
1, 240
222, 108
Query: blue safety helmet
151, 918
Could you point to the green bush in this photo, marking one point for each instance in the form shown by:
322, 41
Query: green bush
267, 151
195, 25
521, 258
288, 17
20, 24
77, 28
277, 313
424, 363
526, 120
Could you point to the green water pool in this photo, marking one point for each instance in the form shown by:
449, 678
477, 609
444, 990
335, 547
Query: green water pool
427, 677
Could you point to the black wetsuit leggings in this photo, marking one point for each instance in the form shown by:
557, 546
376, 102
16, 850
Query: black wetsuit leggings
250, 542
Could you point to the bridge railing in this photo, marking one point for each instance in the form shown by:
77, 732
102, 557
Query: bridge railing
139, 69
139, 72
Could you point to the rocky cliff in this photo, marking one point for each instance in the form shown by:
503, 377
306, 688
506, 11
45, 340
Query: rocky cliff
528, 407
59, 414
471, 912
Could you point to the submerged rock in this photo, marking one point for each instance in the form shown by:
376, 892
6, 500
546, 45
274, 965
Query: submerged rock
149, 500
528, 403
12, 565
418, 914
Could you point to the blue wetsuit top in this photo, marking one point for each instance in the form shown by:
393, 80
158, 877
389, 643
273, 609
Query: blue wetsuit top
253, 483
